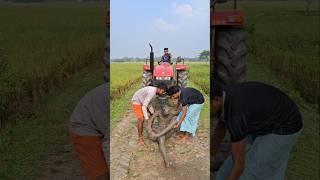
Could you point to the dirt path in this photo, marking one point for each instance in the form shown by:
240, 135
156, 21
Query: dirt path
123, 143
63, 166
130, 161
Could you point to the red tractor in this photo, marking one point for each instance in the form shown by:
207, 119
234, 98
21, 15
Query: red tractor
228, 48
176, 74
228, 65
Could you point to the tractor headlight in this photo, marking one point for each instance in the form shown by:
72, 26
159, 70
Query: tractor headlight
167, 78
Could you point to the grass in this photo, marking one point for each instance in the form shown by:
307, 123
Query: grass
123, 76
42, 45
284, 37
42, 133
199, 74
120, 105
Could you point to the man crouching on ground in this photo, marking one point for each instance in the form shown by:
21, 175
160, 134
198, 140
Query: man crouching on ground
192, 101
264, 124
140, 102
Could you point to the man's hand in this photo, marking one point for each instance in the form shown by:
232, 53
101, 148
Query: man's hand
151, 110
238, 150
177, 125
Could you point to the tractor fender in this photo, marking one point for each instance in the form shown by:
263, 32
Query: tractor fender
181, 67
146, 67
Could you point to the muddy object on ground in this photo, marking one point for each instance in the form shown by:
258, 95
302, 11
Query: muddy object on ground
161, 124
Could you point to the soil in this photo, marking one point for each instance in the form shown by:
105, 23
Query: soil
64, 166
130, 161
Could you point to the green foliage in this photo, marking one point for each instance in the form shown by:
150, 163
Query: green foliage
38, 137
123, 77
43, 45
199, 74
286, 39
292, 48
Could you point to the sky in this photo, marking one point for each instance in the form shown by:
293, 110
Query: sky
180, 25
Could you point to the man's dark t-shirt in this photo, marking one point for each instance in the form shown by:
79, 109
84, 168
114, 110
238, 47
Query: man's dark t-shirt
259, 109
190, 96
166, 58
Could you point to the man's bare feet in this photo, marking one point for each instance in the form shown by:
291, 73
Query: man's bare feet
140, 141
185, 138
179, 137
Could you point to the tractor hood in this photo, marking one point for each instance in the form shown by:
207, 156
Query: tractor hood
164, 69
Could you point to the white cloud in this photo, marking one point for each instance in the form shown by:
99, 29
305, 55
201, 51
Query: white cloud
184, 10
165, 26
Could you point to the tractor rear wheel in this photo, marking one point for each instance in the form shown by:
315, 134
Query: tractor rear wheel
230, 55
146, 78
182, 78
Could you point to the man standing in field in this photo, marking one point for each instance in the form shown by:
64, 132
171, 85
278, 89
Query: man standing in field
140, 102
264, 124
192, 101
89, 132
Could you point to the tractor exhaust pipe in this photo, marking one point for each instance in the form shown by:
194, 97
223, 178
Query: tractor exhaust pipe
151, 59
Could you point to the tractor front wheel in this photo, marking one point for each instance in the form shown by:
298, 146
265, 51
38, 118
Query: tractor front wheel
182, 78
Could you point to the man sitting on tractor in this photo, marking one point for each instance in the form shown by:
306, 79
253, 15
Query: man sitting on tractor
167, 56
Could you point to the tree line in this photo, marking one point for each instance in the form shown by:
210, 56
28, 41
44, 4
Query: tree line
203, 56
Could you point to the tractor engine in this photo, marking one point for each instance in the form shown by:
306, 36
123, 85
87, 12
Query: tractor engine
164, 73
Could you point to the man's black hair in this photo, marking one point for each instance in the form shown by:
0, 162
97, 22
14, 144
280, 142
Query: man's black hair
165, 49
162, 85
172, 90
216, 88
